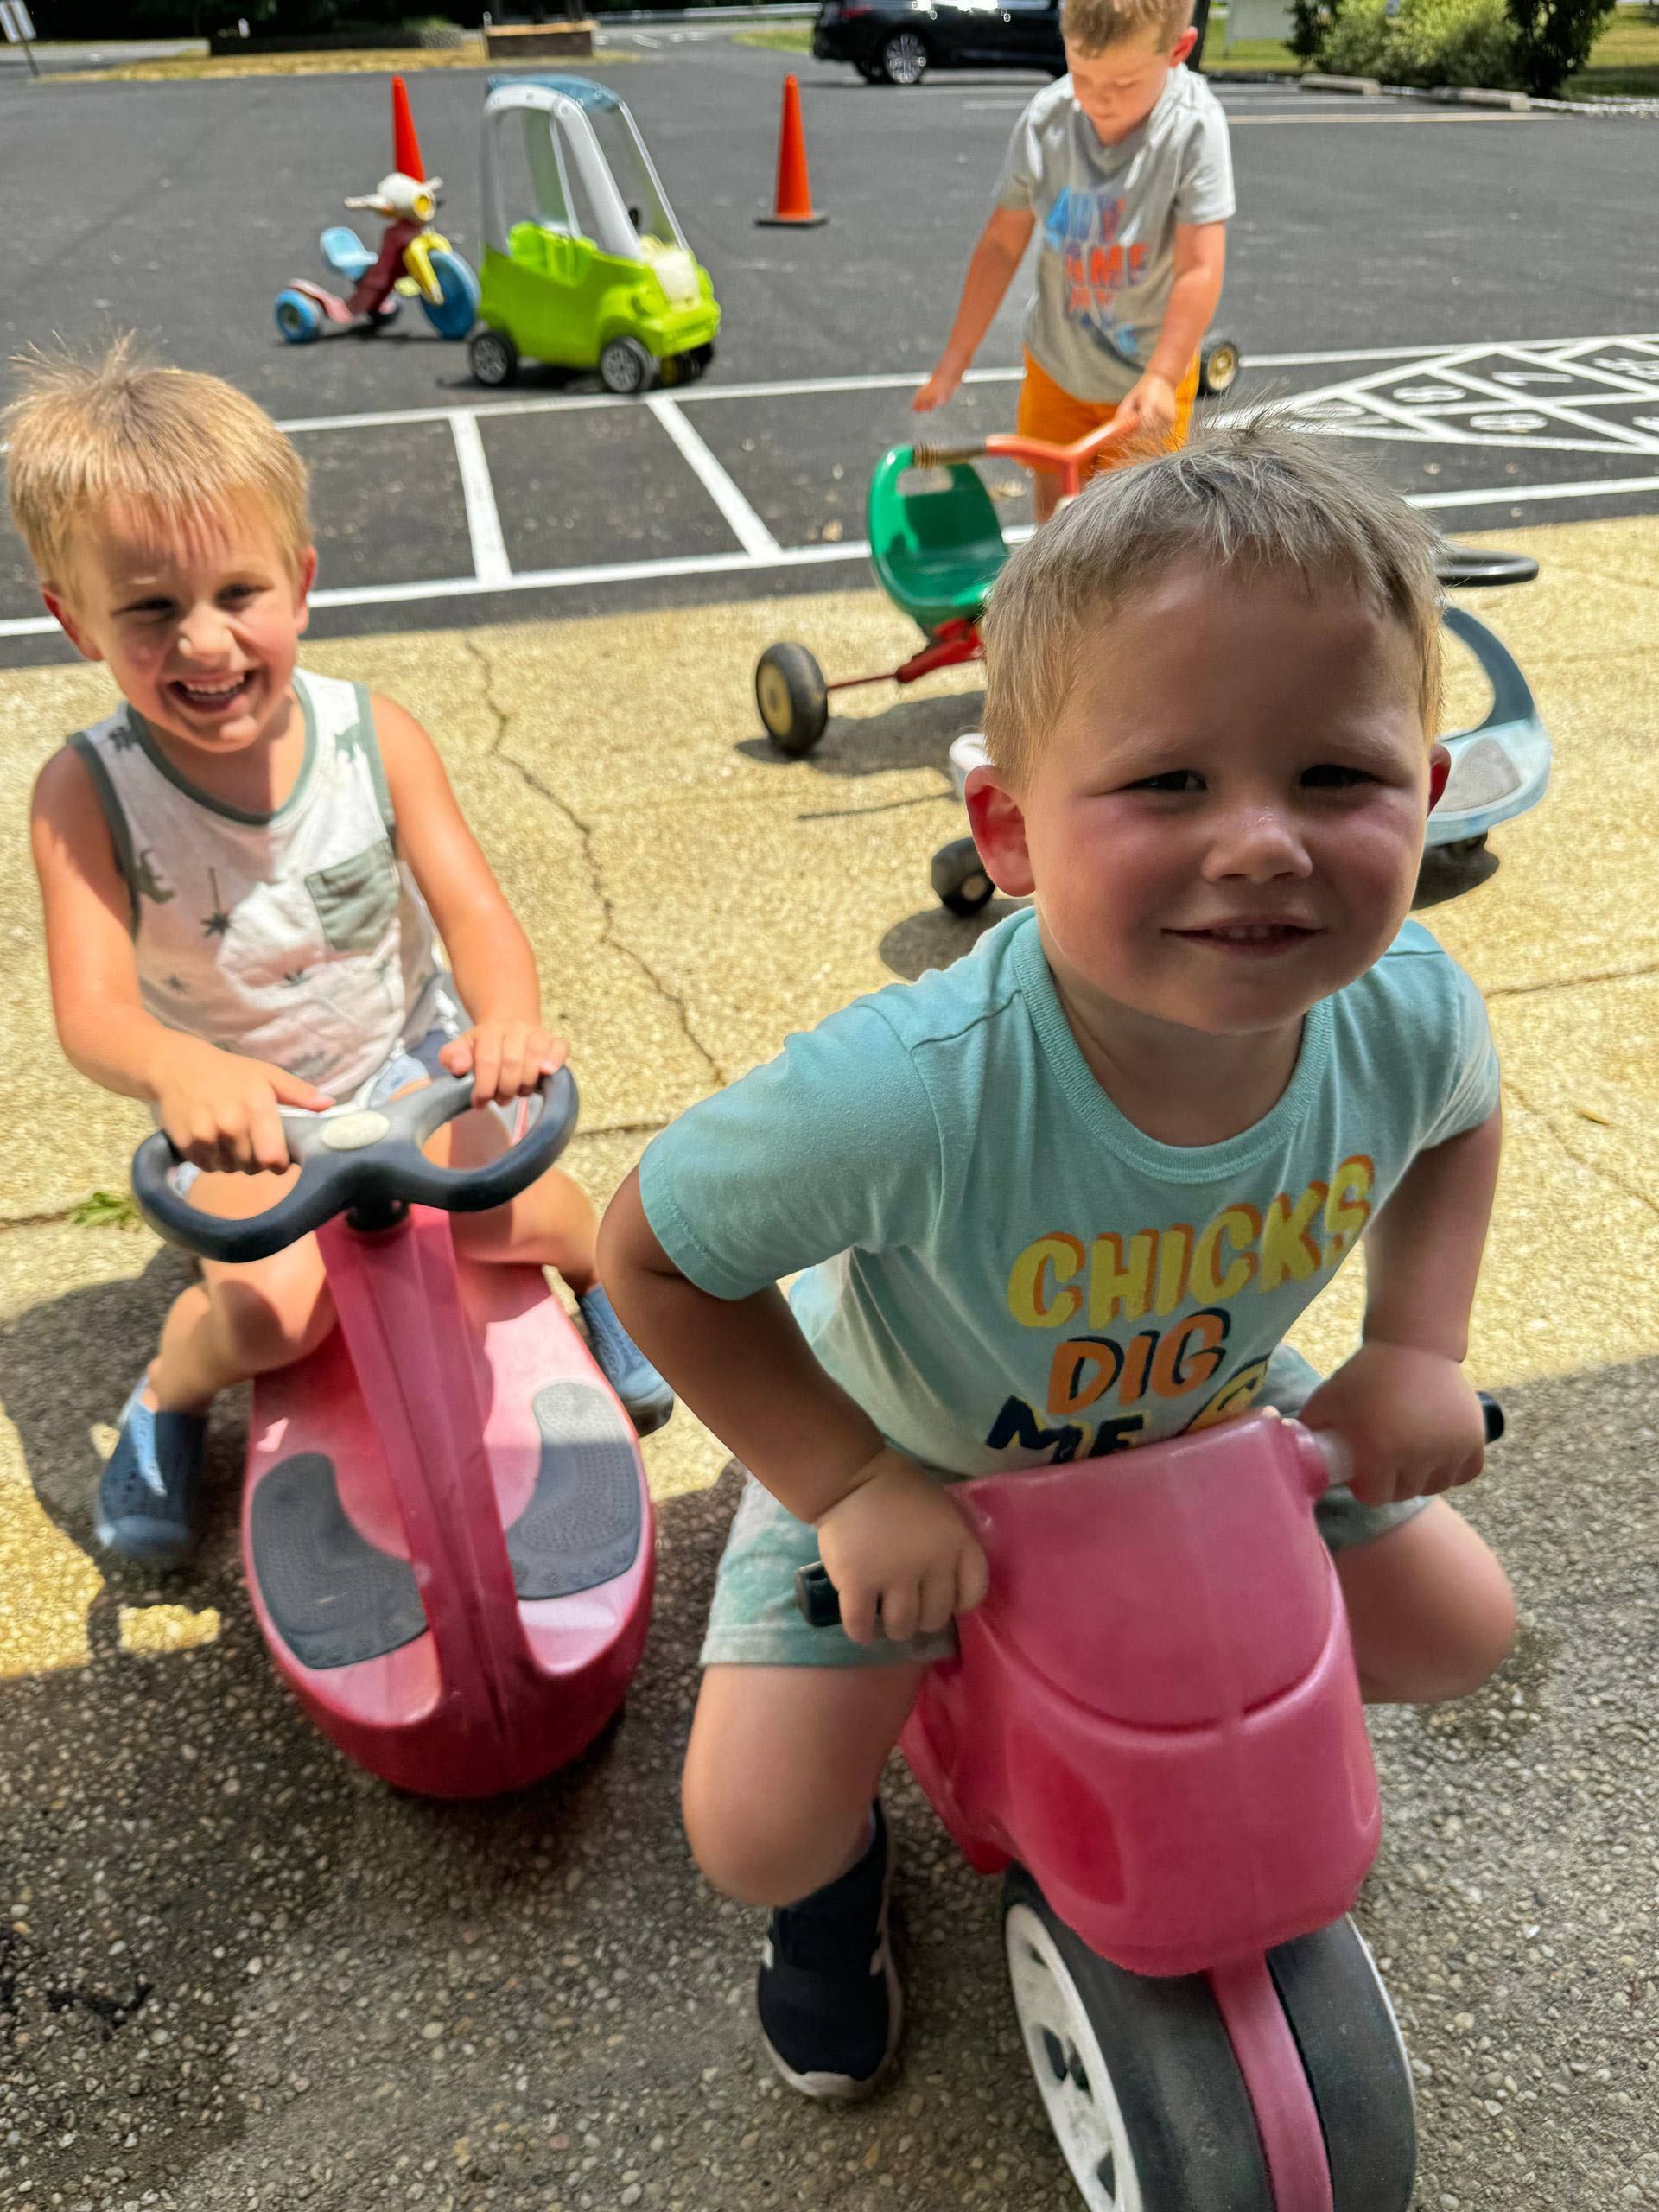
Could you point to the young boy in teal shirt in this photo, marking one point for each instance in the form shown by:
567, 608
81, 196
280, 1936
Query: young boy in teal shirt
1070, 1193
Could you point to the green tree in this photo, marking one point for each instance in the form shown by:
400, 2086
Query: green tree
1554, 38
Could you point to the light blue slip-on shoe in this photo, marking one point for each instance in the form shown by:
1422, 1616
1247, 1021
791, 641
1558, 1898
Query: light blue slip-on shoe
647, 1398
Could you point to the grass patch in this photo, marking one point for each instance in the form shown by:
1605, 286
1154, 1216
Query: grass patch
347, 61
1251, 53
783, 39
1248, 54
107, 1210
1623, 60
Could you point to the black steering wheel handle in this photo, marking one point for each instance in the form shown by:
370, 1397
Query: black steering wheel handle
368, 1157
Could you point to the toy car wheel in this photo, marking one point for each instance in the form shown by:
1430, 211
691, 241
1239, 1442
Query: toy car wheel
1356, 2062
297, 318
493, 358
959, 879
625, 367
453, 315
1219, 362
1137, 2075
789, 689
904, 58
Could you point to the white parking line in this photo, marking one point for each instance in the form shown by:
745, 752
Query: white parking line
490, 562
748, 527
1636, 370
787, 557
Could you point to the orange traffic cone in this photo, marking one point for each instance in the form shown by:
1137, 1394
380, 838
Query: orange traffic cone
405, 146
794, 197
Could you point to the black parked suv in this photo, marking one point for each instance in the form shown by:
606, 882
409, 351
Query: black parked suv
895, 42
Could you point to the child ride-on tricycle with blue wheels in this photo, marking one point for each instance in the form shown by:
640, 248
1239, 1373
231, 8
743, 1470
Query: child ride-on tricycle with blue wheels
1151, 1728
585, 265
936, 548
413, 262
446, 1531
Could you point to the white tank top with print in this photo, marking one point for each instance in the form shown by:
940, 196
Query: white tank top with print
296, 936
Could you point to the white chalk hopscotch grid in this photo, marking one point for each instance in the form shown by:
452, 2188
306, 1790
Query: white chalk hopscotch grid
1559, 397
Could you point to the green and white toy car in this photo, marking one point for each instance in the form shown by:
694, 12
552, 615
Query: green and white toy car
584, 264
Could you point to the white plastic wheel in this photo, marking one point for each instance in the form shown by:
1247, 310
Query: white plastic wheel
1071, 2073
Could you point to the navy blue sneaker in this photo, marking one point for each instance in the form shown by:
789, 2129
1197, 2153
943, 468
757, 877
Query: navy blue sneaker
647, 1398
828, 1994
147, 1499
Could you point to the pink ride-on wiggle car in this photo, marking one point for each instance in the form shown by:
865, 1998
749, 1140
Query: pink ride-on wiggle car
446, 1530
1151, 1726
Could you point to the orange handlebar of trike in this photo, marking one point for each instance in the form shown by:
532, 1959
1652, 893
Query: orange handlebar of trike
1067, 463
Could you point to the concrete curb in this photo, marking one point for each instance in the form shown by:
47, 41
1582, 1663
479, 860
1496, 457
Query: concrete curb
1474, 96
1367, 87
1454, 95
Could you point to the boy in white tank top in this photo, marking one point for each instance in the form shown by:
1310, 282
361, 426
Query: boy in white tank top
246, 872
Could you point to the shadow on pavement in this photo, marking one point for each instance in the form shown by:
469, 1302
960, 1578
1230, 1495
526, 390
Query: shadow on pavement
239, 1972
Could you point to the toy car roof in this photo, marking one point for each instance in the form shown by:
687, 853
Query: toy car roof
598, 99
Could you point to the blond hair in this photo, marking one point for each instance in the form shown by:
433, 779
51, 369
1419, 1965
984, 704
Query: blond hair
1252, 499
1090, 26
180, 448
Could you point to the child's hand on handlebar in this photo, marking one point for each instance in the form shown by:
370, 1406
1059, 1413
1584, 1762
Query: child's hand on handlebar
505, 1059
220, 1108
937, 388
1411, 1418
1149, 409
896, 1547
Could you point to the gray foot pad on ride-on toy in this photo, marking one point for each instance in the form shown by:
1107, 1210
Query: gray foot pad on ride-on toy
583, 1524
334, 1599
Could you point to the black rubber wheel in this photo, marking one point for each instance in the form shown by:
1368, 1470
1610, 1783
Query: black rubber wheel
959, 879
493, 358
1475, 568
1219, 362
625, 367
904, 58
790, 692
1355, 2064
1138, 2076
871, 71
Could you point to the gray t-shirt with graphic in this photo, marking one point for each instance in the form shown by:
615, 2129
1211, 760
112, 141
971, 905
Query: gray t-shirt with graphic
1108, 217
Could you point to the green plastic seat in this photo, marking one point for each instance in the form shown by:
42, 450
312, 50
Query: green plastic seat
935, 553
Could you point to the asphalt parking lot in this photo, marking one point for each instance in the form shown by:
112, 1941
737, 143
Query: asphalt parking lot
1399, 270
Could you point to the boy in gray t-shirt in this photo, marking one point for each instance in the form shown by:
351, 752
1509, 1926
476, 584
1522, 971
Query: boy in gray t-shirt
1125, 162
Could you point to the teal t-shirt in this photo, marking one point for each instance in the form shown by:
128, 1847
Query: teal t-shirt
1001, 1269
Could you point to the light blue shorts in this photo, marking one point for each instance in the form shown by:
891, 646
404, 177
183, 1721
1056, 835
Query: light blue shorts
754, 1622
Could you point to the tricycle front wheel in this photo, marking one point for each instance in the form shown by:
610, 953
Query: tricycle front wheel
790, 691
455, 312
1137, 2076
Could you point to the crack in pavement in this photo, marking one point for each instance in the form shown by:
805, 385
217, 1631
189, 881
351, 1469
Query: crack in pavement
1570, 983
1615, 1181
608, 935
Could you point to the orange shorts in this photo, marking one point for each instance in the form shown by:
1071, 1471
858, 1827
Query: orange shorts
1048, 412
